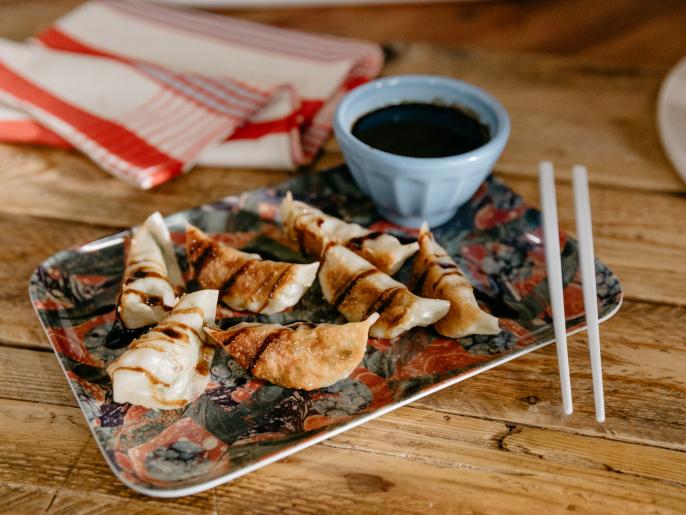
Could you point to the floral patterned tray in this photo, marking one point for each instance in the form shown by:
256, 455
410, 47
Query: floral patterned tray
241, 423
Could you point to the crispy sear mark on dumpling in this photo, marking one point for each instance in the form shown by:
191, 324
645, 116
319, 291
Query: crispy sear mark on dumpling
299, 355
313, 230
357, 289
245, 281
168, 367
152, 277
437, 276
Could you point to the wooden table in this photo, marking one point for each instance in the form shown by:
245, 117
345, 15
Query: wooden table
495, 443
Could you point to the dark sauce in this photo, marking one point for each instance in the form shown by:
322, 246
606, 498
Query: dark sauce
154, 380
421, 130
173, 332
497, 305
358, 243
297, 325
119, 336
204, 360
156, 300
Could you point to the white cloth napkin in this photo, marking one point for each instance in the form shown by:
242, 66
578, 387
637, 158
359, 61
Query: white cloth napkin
148, 91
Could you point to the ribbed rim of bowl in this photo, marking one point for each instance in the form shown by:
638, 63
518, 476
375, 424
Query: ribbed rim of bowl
498, 140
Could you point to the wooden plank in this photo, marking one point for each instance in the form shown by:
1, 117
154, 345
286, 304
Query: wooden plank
26, 242
648, 462
409, 460
643, 373
405, 461
432, 438
70, 502
19, 20
70, 187
643, 367
31, 499
623, 46
623, 30
346, 480
40, 441
47, 382
637, 217
18, 498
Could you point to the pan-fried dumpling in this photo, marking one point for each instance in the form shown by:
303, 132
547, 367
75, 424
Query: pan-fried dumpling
152, 278
357, 289
158, 229
437, 276
313, 230
245, 281
299, 355
168, 367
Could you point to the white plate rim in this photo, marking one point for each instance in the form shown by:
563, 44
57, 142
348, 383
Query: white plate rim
673, 143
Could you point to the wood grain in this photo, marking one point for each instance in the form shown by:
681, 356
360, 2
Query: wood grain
494, 443
26, 243
634, 31
49, 386
18, 498
646, 462
516, 466
68, 501
65, 181
649, 33
41, 441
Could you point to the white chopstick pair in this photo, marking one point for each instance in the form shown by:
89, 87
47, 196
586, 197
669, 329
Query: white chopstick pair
582, 207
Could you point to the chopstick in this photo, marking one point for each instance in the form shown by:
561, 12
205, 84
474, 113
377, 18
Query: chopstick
584, 232
551, 239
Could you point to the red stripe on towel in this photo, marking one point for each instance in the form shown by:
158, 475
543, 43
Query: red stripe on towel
108, 135
256, 130
28, 131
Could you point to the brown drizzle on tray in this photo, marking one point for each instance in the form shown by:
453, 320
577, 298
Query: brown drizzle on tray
153, 379
204, 360
150, 300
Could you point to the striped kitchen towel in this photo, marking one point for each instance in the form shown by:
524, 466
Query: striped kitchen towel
148, 91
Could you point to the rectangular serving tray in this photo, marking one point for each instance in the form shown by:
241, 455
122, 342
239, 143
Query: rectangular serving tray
240, 423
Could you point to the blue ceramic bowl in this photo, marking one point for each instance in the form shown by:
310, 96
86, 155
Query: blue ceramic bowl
411, 190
